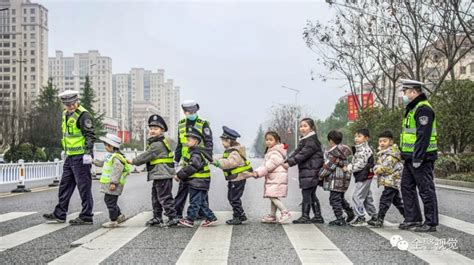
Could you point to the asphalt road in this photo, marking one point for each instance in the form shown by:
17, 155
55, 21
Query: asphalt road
252, 242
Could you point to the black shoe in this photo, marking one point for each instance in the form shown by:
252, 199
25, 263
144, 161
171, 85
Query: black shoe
339, 222
373, 220
350, 215
409, 225
50, 217
154, 221
425, 229
378, 223
234, 221
317, 219
304, 219
170, 223
243, 218
360, 221
79, 221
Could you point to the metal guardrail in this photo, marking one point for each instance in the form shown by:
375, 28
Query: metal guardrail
14, 172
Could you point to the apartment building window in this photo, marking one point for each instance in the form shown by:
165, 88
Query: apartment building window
33, 35
13, 19
13, 53
462, 70
32, 27
32, 19
24, 11
33, 77
13, 29
33, 69
32, 52
33, 60
32, 11
24, 19
13, 12
32, 44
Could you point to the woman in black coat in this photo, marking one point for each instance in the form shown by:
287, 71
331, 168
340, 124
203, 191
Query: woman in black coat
310, 158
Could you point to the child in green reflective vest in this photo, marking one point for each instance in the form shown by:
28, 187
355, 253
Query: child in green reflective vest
115, 170
158, 158
236, 169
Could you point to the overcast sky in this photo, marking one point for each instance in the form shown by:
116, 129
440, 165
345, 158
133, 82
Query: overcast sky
232, 57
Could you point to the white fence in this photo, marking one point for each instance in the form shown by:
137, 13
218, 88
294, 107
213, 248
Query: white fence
20, 172
12, 173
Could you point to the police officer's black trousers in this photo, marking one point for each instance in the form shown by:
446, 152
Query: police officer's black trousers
235, 190
421, 178
338, 203
112, 206
181, 197
75, 173
162, 198
390, 195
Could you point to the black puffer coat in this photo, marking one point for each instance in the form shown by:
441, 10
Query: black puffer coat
310, 158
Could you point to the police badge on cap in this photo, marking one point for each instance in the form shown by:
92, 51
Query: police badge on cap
157, 120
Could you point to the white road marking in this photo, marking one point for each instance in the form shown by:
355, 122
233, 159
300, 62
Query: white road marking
209, 245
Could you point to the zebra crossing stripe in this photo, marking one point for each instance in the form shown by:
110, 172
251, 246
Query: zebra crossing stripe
96, 249
13, 215
456, 224
312, 246
432, 256
15, 239
209, 245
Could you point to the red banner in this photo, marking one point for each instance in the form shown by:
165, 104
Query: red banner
124, 135
353, 110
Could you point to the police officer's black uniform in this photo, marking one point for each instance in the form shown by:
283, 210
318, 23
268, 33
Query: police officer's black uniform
418, 172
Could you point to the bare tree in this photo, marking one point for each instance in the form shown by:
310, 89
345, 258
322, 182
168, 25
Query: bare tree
375, 43
282, 120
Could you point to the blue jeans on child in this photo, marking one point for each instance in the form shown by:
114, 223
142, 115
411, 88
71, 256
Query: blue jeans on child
197, 201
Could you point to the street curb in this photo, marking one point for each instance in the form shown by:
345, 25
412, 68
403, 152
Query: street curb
455, 183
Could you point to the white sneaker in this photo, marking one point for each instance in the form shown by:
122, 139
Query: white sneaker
285, 217
110, 224
121, 218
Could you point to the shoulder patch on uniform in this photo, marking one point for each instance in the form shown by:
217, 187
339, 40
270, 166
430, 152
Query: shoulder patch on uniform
88, 123
423, 120
207, 131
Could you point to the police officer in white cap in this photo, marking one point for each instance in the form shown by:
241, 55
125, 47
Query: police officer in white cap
78, 143
418, 143
190, 109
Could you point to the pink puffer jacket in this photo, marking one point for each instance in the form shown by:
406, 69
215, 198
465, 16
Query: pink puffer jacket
276, 176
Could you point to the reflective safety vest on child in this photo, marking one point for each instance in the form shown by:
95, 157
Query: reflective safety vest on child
108, 167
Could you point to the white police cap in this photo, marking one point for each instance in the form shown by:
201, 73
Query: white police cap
69, 96
409, 83
190, 105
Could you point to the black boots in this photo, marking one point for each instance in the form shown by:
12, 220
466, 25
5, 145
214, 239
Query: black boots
317, 219
154, 221
340, 221
350, 214
237, 220
377, 221
304, 219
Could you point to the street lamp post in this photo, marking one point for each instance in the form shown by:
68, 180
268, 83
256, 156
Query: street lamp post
296, 115
20, 89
